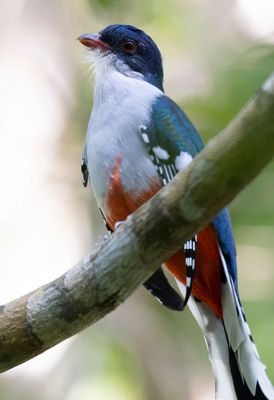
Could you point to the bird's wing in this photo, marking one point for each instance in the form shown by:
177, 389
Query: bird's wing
172, 142
171, 139
173, 131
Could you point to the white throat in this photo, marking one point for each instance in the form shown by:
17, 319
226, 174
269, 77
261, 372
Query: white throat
115, 82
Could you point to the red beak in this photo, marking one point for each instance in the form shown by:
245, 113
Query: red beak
92, 41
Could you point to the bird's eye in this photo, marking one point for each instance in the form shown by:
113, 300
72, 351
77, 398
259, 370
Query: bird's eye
129, 47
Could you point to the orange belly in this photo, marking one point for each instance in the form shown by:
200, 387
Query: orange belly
207, 282
120, 203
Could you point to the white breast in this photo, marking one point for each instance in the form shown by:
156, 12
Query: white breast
122, 104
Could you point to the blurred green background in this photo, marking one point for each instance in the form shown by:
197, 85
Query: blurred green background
216, 55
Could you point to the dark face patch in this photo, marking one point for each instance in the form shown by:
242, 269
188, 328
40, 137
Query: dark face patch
137, 50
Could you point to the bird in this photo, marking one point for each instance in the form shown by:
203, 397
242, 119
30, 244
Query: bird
137, 140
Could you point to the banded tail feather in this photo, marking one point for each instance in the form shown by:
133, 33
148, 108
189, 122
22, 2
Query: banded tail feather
190, 265
238, 371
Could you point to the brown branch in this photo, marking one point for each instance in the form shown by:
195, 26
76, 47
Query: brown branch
105, 278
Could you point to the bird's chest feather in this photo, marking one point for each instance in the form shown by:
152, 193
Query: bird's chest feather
122, 174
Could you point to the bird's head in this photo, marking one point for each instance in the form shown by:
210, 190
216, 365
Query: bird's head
129, 50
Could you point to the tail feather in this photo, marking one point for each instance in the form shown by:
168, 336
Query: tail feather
243, 352
238, 371
242, 389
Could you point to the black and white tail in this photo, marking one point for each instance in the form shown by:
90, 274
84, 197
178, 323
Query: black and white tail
238, 371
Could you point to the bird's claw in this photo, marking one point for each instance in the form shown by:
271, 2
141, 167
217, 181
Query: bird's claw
117, 224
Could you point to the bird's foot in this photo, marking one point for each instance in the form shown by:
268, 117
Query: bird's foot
117, 224
103, 238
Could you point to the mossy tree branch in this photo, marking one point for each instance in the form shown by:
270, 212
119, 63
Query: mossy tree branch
106, 277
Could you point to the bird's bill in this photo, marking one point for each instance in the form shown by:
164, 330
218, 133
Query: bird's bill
93, 42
